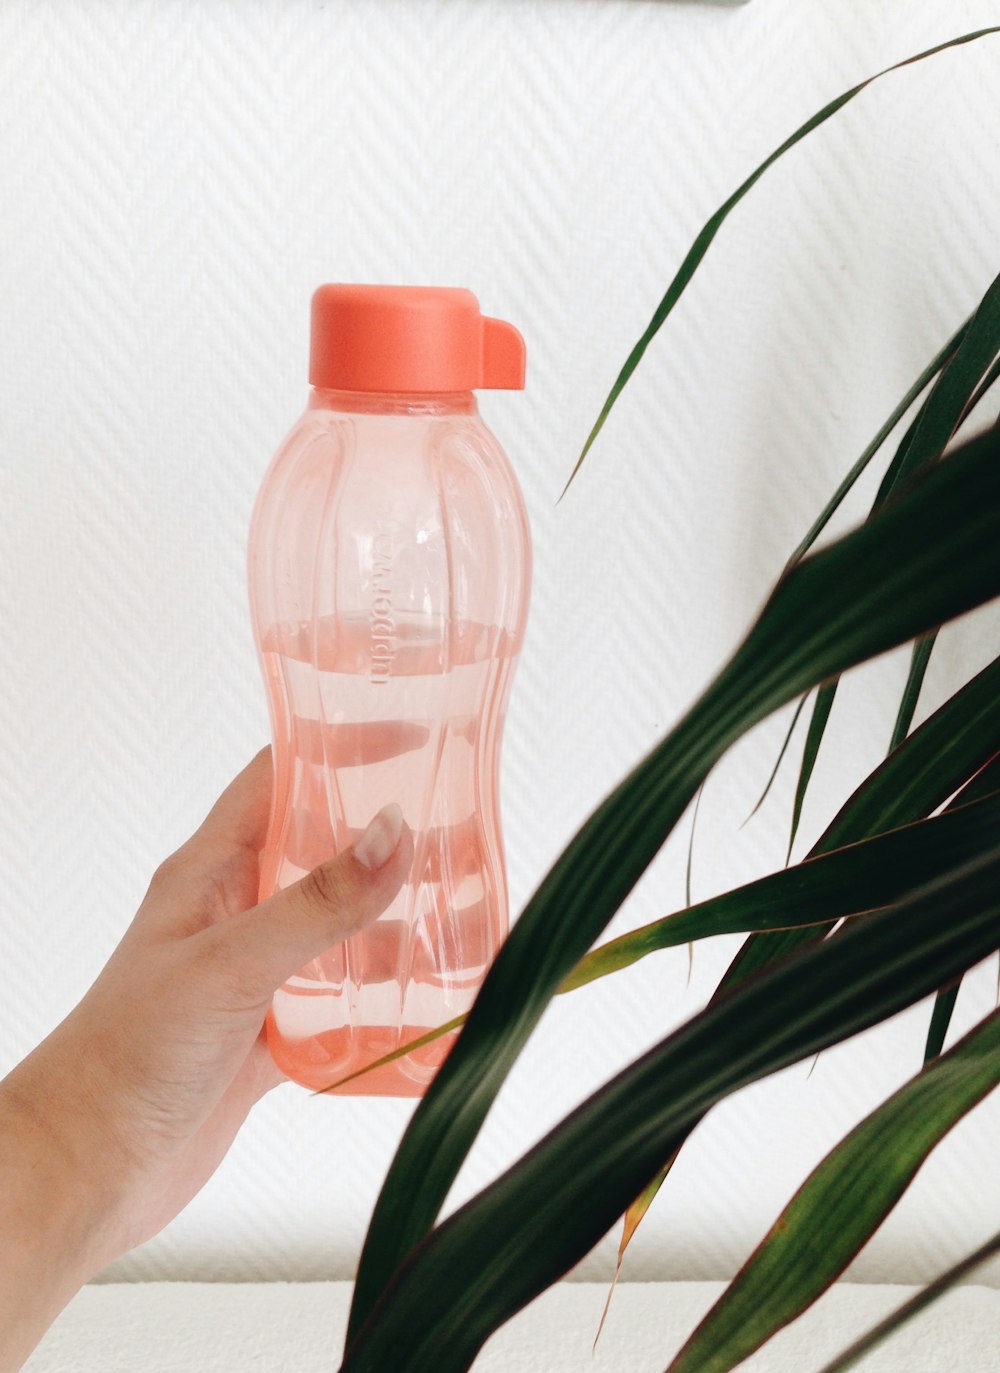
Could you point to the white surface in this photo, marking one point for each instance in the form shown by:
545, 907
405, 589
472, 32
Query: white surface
176, 180
178, 1327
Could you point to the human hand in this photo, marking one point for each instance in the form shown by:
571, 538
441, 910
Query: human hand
122, 1114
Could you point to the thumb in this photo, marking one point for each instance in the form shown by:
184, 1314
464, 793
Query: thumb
273, 940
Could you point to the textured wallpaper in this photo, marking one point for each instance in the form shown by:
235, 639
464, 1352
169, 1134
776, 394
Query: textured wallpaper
175, 181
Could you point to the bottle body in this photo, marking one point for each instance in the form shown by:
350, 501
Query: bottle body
390, 567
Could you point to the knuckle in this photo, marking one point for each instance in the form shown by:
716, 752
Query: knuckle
325, 887
168, 872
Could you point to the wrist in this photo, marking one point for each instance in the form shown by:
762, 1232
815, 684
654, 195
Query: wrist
43, 1229
55, 1221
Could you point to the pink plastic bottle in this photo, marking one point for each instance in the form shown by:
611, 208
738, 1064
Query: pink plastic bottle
390, 566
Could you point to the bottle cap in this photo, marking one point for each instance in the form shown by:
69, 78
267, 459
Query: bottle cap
410, 338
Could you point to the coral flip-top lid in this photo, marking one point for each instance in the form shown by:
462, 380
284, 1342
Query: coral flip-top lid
410, 338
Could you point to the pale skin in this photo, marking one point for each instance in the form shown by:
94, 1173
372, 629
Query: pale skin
120, 1116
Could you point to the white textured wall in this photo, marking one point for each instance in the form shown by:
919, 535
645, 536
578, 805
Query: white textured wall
174, 181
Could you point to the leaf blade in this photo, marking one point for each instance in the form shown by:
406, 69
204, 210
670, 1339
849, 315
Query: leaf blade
704, 239
917, 1303
914, 681
878, 871
888, 580
841, 1204
833, 504
814, 737
543, 1214
944, 1005
874, 872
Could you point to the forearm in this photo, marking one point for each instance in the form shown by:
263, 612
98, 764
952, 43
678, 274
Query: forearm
50, 1219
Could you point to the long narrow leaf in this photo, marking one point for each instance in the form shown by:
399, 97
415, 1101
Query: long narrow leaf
778, 761
528, 1228
911, 692
835, 501
859, 878
982, 784
924, 442
987, 383
823, 519
913, 1307
841, 1205
958, 390
944, 1005
928, 556
985, 780
948, 403
704, 239
817, 724
948, 749
957, 743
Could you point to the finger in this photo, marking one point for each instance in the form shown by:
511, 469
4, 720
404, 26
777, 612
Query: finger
264, 946
215, 872
239, 817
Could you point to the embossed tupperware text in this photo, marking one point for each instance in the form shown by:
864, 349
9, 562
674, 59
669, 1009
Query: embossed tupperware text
381, 622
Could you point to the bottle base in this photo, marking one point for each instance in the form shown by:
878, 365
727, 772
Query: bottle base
323, 1061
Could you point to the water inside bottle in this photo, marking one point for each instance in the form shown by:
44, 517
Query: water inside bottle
357, 740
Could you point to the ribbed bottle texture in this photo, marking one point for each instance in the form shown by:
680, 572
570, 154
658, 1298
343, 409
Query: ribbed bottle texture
389, 568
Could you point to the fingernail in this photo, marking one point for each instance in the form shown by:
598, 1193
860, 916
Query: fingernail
378, 843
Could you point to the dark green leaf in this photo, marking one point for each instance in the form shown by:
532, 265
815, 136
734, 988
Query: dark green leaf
817, 724
924, 442
857, 879
833, 504
982, 784
987, 383
690, 857
841, 1205
914, 681
528, 1228
784, 749
703, 242
928, 556
943, 410
913, 1307
944, 1005
948, 749
862, 877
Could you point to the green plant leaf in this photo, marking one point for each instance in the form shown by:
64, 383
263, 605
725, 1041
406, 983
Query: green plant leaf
859, 878
704, 239
913, 1307
537, 1220
935, 419
813, 533
922, 772
944, 1005
833, 504
985, 780
929, 555
924, 442
854, 880
982, 784
841, 1205
817, 724
914, 681
778, 761
987, 383
950, 398
958, 742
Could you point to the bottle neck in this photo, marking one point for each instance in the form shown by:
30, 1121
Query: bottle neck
394, 402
